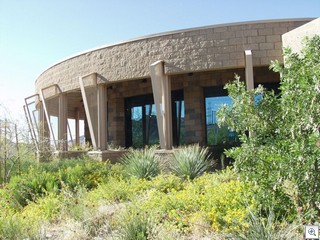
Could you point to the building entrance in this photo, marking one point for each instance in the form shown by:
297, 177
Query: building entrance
141, 120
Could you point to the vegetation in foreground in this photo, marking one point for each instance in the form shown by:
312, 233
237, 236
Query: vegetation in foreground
114, 206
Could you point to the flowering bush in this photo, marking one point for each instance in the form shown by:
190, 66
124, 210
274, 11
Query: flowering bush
51, 177
221, 200
231, 202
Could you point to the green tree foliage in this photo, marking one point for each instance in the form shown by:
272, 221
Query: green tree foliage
280, 136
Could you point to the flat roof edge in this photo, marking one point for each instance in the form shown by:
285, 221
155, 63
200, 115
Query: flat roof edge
173, 32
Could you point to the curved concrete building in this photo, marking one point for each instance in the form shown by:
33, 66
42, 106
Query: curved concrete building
159, 89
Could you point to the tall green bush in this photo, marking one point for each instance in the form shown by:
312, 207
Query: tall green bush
280, 134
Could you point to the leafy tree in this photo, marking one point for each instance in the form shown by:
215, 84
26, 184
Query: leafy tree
280, 149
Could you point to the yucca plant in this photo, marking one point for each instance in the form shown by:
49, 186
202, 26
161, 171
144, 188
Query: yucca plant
269, 228
190, 161
136, 226
142, 163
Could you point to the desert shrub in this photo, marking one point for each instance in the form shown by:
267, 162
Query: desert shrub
27, 222
87, 174
135, 225
119, 190
280, 134
166, 183
19, 164
190, 162
16, 227
142, 163
229, 206
51, 177
45, 208
77, 172
138, 208
117, 170
267, 227
221, 201
115, 190
8, 203
27, 187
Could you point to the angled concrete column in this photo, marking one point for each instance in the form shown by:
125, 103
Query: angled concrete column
77, 120
32, 119
47, 116
161, 88
44, 151
90, 117
249, 69
102, 117
87, 134
94, 95
63, 122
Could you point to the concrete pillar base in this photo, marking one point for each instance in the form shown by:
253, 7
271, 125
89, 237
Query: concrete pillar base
44, 156
164, 156
56, 155
113, 156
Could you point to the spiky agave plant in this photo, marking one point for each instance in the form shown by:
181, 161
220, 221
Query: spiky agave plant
135, 225
190, 161
142, 163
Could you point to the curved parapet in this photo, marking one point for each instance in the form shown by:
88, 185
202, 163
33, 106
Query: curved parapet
191, 50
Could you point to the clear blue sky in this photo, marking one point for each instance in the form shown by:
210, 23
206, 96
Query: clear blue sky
35, 34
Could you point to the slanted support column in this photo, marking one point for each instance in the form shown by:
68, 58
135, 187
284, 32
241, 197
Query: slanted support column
102, 109
44, 136
249, 69
89, 119
31, 119
77, 120
94, 95
63, 122
161, 88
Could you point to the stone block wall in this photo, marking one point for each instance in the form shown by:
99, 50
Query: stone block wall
192, 50
193, 89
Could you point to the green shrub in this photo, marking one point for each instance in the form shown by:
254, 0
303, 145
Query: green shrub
213, 202
45, 208
190, 162
79, 172
136, 225
167, 183
219, 200
115, 190
230, 203
27, 187
280, 134
51, 177
269, 228
142, 163
15, 227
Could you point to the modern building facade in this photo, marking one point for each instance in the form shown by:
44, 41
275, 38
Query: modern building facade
162, 89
